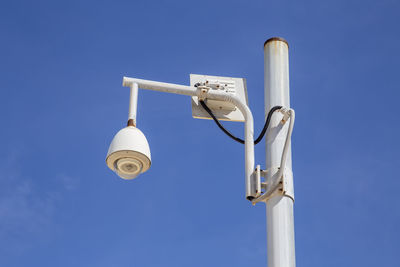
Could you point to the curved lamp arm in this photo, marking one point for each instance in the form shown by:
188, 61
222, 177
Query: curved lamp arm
214, 95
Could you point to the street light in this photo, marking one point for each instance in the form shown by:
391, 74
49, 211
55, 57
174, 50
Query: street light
224, 98
129, 151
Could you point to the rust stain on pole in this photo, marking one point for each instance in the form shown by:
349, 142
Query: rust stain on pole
276, 39
131, 123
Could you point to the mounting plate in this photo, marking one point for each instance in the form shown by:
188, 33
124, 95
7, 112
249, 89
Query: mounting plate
222, 110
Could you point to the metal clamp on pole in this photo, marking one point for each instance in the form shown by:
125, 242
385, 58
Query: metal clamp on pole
272, 185
277, 179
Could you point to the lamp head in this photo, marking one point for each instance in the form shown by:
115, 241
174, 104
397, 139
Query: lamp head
129, 153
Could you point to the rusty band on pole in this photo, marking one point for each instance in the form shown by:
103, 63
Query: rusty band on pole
276, 39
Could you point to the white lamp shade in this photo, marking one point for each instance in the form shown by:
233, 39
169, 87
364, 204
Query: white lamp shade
129, 153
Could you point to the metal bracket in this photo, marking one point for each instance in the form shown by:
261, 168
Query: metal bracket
267, 186
223, 110
260, 186
202, 91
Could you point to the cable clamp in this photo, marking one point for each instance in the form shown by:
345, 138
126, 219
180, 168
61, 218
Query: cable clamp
286, 114
202, 92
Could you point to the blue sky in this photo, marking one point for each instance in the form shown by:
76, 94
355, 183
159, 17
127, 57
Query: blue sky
61, 68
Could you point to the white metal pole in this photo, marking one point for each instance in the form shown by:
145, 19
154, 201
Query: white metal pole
280, 225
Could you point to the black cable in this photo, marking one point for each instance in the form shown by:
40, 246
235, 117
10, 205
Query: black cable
267, 121
259, 138
219, 124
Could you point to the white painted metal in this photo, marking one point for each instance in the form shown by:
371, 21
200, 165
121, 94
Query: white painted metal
280, 226
281, 173
213, 95
280, 232
133, 102
248, 133
129, 153
160, 86
222, 110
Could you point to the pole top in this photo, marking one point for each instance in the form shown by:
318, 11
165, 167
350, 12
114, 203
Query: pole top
276, 39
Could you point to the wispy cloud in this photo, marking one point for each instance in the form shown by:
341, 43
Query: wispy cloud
27, 213
69, 182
